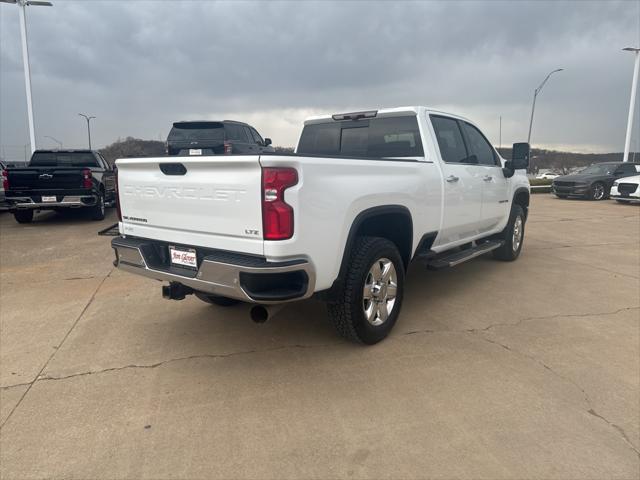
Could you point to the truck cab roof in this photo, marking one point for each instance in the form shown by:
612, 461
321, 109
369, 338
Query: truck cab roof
65, 150
382, 112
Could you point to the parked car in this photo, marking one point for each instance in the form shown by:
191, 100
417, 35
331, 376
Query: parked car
341, 219
594, 182
216, 138
547, 176
626, 190
60, 179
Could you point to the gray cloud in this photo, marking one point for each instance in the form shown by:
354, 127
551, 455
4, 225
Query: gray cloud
139, 65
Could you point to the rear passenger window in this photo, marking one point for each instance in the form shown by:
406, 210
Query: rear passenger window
236, 132
478, 145
452, 148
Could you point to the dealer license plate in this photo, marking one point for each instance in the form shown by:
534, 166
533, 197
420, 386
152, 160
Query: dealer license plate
48, 199
183, 257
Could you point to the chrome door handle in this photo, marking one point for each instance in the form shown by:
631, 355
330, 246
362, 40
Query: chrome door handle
452, 178
487, 178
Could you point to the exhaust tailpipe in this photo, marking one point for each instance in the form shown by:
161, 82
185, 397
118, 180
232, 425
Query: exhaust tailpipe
262, 313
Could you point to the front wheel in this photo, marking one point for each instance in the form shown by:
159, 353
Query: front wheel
23, 216
512, 235
367, 307
217, 300
598, 191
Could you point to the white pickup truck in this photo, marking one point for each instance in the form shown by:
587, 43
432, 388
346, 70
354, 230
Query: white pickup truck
364, 195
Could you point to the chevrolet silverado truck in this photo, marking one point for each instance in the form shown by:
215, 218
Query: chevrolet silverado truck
60, 179
340, 219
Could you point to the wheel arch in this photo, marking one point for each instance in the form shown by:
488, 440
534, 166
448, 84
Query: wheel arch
393, 222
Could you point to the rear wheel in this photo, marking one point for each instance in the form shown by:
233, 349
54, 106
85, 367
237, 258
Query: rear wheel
23, 216
217, 300
598, 191
513, 236
367, 308
97, 211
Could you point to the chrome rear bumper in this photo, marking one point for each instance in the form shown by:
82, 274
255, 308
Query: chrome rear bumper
74, 201
243, 277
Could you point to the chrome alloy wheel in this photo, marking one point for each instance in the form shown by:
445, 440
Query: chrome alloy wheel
518, 230
379, 293
598, 191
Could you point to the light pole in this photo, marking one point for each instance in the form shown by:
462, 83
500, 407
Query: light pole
535, 95
54, 139
25, 59
632, 102
88, 119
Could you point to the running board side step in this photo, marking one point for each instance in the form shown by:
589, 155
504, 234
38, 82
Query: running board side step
456, 258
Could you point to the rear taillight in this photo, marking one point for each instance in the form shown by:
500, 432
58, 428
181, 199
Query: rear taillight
277, 216
228, 148
87, 182
118, 197
5, 180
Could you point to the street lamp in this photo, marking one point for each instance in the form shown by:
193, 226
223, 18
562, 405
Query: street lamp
88, 119
632, 102
25, 59
535, 95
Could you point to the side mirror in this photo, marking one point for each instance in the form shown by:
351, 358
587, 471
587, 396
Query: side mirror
519, 159
267, 142
520, 156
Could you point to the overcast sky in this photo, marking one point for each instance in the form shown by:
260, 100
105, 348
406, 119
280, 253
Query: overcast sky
140, 65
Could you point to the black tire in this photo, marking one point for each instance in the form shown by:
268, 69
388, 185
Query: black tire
347, 309
509, 252
98, 210
561, 196
23, 216
598, 191
217, 300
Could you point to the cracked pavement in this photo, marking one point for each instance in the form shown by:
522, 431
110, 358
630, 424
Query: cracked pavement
495, 370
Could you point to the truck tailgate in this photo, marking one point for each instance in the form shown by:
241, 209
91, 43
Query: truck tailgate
45, 178
211, 201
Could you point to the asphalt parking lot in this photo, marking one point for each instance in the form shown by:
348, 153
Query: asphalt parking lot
495, 370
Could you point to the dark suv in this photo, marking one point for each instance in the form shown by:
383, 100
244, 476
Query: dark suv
215, 138
594, 182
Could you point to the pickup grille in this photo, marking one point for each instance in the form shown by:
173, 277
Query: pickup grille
627, 188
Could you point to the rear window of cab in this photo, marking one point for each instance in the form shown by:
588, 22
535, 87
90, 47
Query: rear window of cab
384, 137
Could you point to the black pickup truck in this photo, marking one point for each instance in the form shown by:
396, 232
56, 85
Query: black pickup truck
60, 179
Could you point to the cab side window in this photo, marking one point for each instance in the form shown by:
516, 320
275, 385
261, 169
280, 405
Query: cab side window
256, 136
236, 133
479, 146
452, 147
